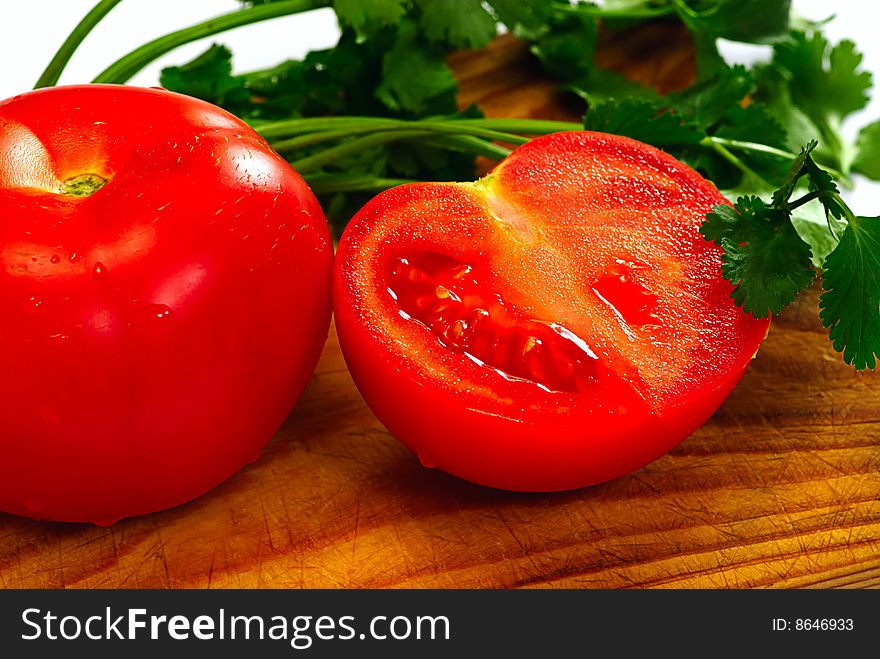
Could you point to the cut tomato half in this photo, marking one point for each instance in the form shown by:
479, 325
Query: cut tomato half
556, 324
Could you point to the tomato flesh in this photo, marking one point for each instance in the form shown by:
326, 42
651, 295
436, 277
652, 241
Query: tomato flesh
557, 324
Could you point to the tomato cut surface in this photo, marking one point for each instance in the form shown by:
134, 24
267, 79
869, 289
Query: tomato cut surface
556, 324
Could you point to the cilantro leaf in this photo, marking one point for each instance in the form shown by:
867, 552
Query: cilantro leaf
814, 87
722, 222
820, 181
823, 82
867, 160
458, 23
599, 85
812, 225
642, 120
413, 73
339, 80
567, 50
528, 14
366, 17
773, 91
752, 123
753, 21
811, 87
209, 77
850, 305
708, 101
764, 257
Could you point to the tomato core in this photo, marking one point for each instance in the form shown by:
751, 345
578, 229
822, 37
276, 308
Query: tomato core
83, 185
450, 299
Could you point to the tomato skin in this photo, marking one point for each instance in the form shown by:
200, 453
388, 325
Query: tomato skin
507, 433
155, 334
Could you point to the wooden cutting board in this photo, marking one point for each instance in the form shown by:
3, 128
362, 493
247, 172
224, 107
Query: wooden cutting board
780, 489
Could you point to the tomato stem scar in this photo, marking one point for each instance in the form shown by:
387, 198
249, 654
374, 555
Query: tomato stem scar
83, 185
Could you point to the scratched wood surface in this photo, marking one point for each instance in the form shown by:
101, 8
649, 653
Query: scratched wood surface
780, 489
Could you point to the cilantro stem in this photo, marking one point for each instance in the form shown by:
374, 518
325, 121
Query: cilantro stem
622, 12
327, 156
512, 127
730, 157
291, 127
524, 126
452, 128
322, 183
685, 8
753, 146
772, 151
128, 65
468, 144
807, 198
829, 196
53, 71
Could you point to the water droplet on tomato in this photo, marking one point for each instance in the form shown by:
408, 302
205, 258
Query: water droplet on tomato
102, 520
33, 304
55, 259
100, 270
74, 257
158, 311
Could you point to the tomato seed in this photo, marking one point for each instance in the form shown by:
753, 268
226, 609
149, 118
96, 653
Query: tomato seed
449, 299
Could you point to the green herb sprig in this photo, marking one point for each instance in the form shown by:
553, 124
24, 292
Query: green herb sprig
380, 108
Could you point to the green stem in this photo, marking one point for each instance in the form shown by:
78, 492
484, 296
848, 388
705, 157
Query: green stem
125, 67
850, 216
827, 194
290, 127
772, 151
310, 139
806, 199
53, 71
512, 127
523, 126
322, 183
623, 12
451, 128
325, 157
730, 157
753, 146
468, 144
685, 8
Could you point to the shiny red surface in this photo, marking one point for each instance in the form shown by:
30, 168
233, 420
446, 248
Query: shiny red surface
155, 334
609, 335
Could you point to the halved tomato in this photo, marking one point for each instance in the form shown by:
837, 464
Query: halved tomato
556, 324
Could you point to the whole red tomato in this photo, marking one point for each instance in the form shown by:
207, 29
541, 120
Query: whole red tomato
164, 296
557, 324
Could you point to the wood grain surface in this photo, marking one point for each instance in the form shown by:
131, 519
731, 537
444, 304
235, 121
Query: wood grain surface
780, 489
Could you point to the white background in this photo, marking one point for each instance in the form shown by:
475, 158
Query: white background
32, 30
